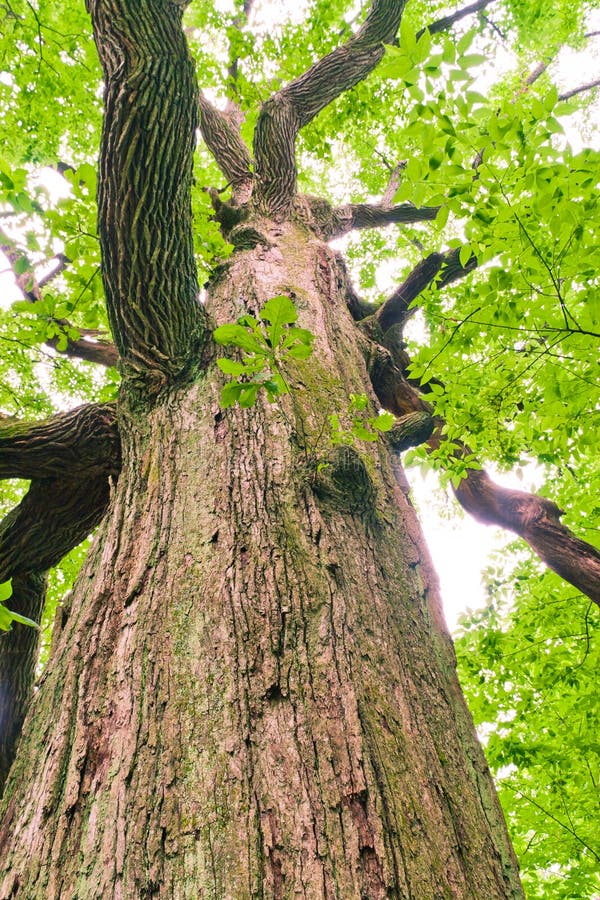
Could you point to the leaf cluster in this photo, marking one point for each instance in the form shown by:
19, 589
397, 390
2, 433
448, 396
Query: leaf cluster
528, 664
267, 343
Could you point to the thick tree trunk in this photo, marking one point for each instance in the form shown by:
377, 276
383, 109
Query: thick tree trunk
254, 694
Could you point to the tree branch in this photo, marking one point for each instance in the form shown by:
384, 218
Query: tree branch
448, 21
294, 106
70, 459
397, 308
144, 196
54, 516
374, 215
535, 519
229, 150
61, 264
590, 86
82, 441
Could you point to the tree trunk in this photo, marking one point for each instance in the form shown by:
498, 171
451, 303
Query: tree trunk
254, 694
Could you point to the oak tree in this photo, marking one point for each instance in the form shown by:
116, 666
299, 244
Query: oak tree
251, 690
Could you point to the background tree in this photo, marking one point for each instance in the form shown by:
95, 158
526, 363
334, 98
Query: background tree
251, 690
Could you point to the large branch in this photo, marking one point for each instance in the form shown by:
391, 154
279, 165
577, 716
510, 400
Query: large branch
535, 519
70, 459
372, 215
294, 106
437, 270
144, 197
82, 441
55, 515
229, 150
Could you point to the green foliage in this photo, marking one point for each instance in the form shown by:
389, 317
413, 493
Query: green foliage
356, 425
528, 664
267, 343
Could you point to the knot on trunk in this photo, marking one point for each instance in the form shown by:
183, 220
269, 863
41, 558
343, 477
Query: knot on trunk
344, 480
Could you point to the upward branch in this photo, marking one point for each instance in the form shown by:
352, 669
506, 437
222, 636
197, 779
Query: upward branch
226, 145
295, 105
145, 221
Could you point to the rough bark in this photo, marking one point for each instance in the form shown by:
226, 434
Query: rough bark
294, 106
254, 694
18, 656
69, 459
229, 150
82, 441
145, 175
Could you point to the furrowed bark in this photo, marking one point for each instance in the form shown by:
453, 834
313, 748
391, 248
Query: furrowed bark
144, 217
257, 690
82, 441
229, 150
18, 658
371, 215
294, 106
55, 515
69, 459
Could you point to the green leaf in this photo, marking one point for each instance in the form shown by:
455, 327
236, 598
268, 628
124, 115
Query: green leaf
248, 394
278, 311
300, 351
230, 394
23, 620
383, 422
231, 367
238, 336
464, 254
362, 433
303, 335
358, 402
7, 616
